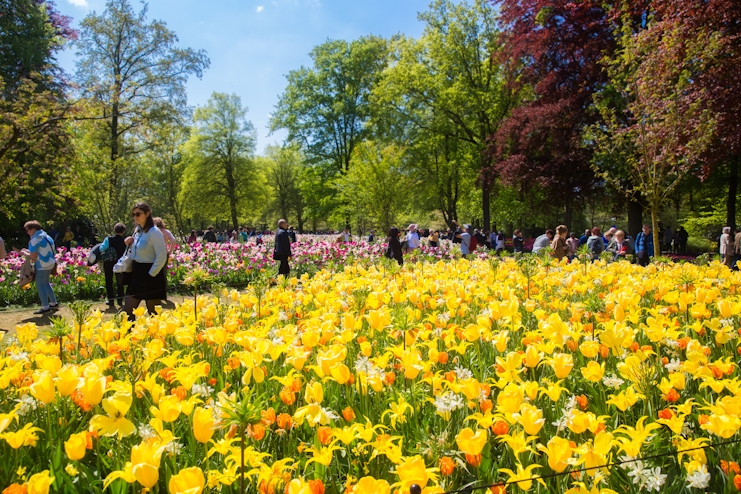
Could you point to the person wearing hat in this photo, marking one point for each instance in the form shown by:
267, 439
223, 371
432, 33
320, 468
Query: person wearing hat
412, 238
465, 238
209, 236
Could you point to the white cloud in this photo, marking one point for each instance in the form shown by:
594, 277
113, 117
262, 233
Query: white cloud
78, 3
259, 9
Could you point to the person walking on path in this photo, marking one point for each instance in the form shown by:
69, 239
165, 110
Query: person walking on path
117, 244
282, 250
148, 277
41, 252
394, 251
727, 248
644, 245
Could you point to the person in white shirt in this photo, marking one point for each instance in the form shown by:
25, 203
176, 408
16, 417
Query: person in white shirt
412, 238
727, 247
500, 242
466, 240
148, 277
346, 236
41, 252
543, 241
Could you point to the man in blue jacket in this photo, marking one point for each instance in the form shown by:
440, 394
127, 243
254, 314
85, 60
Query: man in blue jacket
644, 245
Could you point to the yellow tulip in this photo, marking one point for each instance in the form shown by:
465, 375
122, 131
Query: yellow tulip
510, 399
413, 471
594, 453
26, 436
67, 380
532, 356
187, 481
116, 407
76, 445
6, 419
369, 485
298, 486
340, 373
314, 393
203, 425
530, 418
589, 348
625, 399
559, 452
39, 483
562, 364
522, 474
145, 460
471, 443
168, 409
92, 388
43, 387
593, 371
724, 426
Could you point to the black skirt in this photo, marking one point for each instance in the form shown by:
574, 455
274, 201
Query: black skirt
145, 287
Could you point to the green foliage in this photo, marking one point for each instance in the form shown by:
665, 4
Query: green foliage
130, 86
221, 173
325, 107
376, 189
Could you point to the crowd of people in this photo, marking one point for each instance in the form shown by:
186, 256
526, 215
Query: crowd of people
135, 266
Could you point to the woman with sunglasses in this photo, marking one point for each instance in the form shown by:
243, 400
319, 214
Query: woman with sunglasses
149, 255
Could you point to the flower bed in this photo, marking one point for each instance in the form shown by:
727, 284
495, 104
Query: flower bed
370, 378
226, 264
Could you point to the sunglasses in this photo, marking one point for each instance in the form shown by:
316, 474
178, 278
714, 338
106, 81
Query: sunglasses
137, 214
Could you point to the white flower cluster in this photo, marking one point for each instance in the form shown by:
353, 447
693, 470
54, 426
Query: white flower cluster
26, 404
448, 402
674, 365
462, 373
202, 390
650, 479
146, 432
612, 381
699, 479
568, 414
363, 364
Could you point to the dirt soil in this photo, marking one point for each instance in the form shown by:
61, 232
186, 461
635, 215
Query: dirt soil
12, 317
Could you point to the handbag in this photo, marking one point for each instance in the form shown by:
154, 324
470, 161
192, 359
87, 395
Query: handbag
126, 263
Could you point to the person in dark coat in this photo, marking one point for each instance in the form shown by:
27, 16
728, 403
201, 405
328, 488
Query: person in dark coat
209, 236
115, 242
394, 249
282, 250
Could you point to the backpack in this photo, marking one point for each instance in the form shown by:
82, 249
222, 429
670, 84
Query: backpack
473, 245
597, 246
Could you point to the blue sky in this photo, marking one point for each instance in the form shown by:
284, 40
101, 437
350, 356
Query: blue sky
252, 44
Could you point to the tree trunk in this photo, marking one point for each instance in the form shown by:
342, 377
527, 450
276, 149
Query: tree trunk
568, 214
732, 192
635, 217
485, 201
655, 229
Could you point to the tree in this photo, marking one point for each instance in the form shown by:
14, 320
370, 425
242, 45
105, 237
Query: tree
448, 84
285, 167
376, 189
719, 82
666, 124
556, 49
220, 171
31, 33
325, 107
34, 141
135, 75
